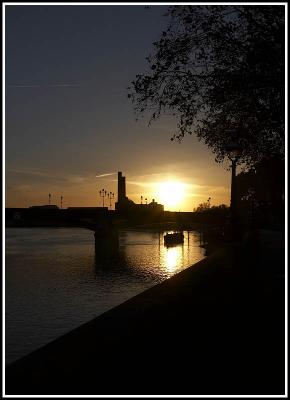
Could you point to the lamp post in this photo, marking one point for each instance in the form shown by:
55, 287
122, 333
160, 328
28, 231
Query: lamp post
110, 196
103, 194
234, 151
208, 202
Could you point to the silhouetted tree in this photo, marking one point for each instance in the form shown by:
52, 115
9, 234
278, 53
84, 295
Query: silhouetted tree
220, 71
213, 213
202, 207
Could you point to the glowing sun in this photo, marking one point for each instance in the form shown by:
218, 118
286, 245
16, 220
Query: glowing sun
171, 193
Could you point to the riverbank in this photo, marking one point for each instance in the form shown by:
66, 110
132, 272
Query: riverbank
215, 328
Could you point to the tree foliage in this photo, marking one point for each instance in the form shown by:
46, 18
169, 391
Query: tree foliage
220, 71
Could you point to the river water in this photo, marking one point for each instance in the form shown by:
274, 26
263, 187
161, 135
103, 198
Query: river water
55, 279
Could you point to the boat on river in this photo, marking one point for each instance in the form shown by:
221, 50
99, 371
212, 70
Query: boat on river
173, 238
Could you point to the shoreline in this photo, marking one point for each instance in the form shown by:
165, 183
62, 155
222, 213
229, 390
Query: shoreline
208, 314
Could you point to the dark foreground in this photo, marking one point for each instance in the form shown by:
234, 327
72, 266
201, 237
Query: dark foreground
215, 328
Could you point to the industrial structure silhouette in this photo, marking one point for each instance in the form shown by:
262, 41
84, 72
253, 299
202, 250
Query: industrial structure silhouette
126, 206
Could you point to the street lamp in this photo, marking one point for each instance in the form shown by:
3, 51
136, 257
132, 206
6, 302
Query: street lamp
103, 194
110, 196
234, 151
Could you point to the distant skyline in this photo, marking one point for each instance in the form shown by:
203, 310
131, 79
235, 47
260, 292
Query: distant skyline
69, 125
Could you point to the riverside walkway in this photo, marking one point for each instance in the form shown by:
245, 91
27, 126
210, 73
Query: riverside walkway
216, 328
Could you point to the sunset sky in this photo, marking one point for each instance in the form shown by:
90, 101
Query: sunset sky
68, 119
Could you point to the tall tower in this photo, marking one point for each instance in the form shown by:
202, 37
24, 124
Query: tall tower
121, 187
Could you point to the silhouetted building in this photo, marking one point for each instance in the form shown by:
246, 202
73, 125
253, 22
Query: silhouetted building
46, 206
261, 193
121, 187
129, 209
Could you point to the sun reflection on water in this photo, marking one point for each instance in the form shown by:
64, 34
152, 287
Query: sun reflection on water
64, 280
173, 256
